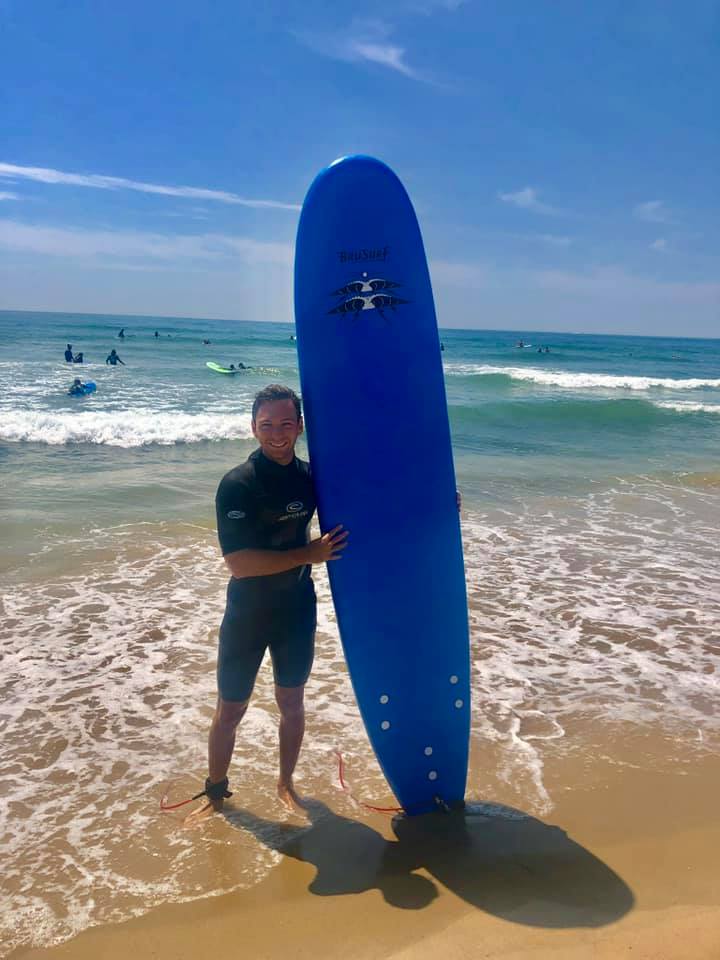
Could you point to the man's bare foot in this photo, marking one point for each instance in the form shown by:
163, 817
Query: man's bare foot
204, 811
290, 799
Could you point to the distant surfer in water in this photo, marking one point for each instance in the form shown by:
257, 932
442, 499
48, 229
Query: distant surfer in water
68, 353
121, 335
264, 508
76, 387
113, 359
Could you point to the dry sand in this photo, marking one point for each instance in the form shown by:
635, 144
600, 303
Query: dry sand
625, 866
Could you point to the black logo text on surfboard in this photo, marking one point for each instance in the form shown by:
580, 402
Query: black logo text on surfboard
359, 256
366, 293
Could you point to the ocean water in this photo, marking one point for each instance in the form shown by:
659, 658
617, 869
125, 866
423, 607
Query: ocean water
590, 477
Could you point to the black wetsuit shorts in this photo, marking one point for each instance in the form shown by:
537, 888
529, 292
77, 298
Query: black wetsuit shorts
287, 629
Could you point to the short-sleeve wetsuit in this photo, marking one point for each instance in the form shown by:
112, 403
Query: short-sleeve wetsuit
263, 505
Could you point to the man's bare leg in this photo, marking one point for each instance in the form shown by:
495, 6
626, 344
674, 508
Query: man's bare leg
290, 701
221, 743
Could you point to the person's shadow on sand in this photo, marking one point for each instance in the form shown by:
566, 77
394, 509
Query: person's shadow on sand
497, 859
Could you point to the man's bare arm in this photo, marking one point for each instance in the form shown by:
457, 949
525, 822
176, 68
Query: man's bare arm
263, 563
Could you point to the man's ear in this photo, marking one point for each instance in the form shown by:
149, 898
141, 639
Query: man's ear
301, 425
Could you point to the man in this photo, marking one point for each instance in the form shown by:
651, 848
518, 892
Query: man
68, 353
264, 508
113, 358
76, 387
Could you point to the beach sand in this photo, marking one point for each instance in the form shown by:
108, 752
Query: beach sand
623, 866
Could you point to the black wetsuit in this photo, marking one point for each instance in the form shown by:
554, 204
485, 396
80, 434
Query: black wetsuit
68, 356
263, 505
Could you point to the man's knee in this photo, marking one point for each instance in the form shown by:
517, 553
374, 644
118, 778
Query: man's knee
290, 701
229, 713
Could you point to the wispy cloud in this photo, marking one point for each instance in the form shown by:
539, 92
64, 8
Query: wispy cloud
601, 283
7, 195
80, 243
652, 211
527, 199
429, 7
660, 245
553, 240
102, 182
363, 41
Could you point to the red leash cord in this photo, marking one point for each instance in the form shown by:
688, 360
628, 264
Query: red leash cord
346, 788
164, 805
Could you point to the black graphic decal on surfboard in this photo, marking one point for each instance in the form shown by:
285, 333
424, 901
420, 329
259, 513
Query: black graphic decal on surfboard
363, 294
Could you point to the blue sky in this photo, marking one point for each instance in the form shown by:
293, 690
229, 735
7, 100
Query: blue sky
563, 157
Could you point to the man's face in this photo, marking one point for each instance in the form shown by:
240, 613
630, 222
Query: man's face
276, 428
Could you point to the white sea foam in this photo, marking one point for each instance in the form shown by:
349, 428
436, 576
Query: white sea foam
121, 428
598, 611
687, 406
108, 688
606, 611
583, 381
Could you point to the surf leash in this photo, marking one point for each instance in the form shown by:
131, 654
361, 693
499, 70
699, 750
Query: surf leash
213, 791
345, 787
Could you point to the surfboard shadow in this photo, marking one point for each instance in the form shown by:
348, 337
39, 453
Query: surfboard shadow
497, 859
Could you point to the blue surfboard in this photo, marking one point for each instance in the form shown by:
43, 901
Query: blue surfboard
379, 440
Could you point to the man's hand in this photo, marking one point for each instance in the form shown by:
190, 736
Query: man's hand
328, 547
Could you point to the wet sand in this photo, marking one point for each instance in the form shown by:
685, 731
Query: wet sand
625, 865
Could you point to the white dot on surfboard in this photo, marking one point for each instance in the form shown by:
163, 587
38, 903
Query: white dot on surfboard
432, 775
458, 703
428, 751
384, 698
453, 679
385, 725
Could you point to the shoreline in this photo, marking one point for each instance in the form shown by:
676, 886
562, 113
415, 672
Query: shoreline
624, 863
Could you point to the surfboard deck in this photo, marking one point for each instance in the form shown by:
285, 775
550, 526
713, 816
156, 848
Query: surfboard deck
217, 368
379, 440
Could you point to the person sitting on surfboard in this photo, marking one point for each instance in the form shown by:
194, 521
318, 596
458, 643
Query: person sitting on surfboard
264, 508
113, 358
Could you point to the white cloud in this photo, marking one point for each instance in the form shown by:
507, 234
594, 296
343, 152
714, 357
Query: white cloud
608, 283
364, 40
7, 195
429, 7
652, 211
386, 54
527, 199
553, 240
102, 182
80, 243
660, 245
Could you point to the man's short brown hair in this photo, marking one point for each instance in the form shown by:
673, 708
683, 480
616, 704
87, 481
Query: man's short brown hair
275, 391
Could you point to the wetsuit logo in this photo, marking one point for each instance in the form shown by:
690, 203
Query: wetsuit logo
236, 515
366, 294
295, 506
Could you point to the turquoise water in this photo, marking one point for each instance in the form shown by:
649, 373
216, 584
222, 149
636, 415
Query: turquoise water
591, 494
524, 423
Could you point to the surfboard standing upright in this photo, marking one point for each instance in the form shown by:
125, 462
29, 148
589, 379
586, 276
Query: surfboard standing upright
379, 439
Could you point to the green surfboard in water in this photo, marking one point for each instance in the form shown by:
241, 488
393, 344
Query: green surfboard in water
217, 368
